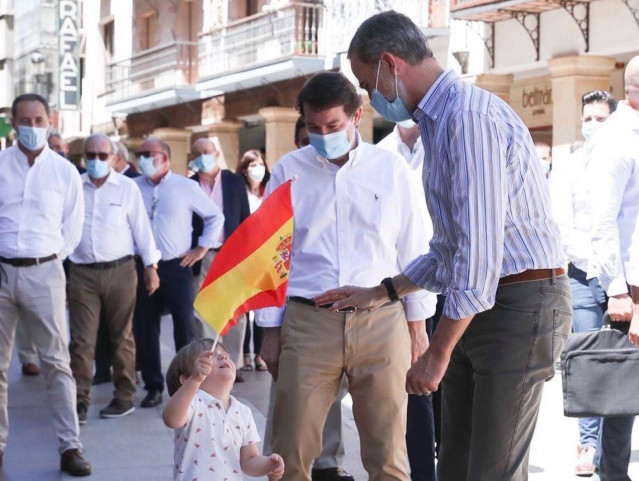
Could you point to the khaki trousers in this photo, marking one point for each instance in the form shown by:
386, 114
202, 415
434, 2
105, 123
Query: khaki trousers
35, 295
318, 347
112, 291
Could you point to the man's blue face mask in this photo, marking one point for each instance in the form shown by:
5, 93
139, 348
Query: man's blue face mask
394, 111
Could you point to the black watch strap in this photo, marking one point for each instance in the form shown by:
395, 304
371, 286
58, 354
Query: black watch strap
392, 293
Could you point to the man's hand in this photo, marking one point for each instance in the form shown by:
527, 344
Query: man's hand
271, 347
424, 377
277, 467
191, 257
633, 334
620, 308
418, 340
351, 296
151, 279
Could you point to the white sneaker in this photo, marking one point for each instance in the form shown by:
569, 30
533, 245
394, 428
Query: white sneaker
586, 461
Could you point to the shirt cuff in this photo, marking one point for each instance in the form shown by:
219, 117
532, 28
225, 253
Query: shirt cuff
419, 306
269, 317
614, 287
462, 304
150, 258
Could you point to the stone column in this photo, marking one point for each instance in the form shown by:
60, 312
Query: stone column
572, 77
280, 132
495, 83
366, 125
228, 139
180, 142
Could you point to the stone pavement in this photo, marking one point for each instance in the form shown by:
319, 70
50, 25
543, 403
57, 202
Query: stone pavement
139, 446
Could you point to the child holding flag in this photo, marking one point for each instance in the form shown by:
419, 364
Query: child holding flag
215, 434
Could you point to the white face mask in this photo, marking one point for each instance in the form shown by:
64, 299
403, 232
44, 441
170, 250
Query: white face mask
257, 173
589, 128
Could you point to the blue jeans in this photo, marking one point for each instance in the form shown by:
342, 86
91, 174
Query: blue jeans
588, 306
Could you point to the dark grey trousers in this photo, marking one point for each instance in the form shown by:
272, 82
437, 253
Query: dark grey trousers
616, 440
492, 389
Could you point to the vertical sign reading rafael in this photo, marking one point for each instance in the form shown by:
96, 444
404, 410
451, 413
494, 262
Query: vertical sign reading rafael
69, 40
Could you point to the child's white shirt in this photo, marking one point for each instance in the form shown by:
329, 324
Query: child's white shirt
208, 445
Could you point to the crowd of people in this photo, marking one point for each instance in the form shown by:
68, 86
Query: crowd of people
434, 277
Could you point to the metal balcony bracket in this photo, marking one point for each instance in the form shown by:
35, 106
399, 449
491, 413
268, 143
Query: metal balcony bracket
580, 12
633, 6
487, 37
530, 22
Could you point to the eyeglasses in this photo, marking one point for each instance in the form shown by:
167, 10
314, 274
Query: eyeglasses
99, 155
147, 153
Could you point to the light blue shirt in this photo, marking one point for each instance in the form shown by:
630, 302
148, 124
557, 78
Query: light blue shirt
170, 206
486, 195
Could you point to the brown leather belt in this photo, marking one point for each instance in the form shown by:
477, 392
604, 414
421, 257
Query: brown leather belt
532, 275
27, 261
107, 265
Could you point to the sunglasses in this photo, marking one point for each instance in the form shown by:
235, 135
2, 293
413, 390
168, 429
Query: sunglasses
147, 153
98, 155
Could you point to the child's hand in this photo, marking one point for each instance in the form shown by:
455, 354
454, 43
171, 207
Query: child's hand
277, 467
203, 366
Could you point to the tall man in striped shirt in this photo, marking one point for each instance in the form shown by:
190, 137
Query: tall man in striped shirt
495, 252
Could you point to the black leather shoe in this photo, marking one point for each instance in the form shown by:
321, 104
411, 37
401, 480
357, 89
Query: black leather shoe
331, 474
73, 463
153, 398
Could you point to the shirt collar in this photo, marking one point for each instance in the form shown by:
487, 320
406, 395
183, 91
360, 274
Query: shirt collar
353, 154
400, 142
162, 180
629, 114
41, 156
111, 179
433, 103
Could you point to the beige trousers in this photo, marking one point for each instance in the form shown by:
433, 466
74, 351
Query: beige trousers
318, 347
112, 292
36, 296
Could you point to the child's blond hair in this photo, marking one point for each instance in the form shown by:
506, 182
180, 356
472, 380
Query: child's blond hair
182, 363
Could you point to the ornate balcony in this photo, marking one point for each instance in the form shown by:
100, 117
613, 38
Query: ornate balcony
153, 78
494, 11
280, 41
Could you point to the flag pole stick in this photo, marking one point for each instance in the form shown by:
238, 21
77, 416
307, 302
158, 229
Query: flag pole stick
217, 338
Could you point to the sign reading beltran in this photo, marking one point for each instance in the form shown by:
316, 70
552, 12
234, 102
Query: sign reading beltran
69, 67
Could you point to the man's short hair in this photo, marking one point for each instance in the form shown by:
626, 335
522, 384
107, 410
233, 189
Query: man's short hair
122, 151
54, 134
100, 137
595, 96
164, 147
327, 90
29, 98
299, 125
390, 32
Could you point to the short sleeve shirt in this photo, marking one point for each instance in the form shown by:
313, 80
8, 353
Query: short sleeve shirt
208, 445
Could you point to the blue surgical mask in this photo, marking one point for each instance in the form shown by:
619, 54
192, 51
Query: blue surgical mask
333, 145
32, 138
588, 129
147, 166
394, 111
97, 168
545, 167
203, 163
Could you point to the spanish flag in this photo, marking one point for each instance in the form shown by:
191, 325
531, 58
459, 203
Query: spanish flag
251, 270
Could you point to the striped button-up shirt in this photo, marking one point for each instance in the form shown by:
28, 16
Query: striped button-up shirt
486, 194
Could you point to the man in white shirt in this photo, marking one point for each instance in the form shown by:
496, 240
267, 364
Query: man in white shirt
613, 174
421, 425
354, 214
102, 277
544, 152
41, 215
570, 198
170, 200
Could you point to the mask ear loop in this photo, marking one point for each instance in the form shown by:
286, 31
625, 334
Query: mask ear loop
396, 86
379, 64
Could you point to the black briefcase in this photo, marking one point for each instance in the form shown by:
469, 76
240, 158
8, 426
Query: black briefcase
600, 374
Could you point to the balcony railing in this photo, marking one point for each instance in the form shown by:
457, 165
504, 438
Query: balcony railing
166, 66
295, 29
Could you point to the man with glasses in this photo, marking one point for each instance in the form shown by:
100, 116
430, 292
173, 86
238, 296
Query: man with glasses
102, 278
41, 216
170, 200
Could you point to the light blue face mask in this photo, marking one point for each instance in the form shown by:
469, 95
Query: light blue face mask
333, 145
203, 163
32, 138
98, 169
147, 166
394, 111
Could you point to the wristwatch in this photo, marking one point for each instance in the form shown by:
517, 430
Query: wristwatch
392, 293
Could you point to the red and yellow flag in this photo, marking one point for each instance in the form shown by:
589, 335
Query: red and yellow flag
251, 270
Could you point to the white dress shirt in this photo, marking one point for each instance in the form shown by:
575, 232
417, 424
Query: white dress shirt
415, 159
487, 196
353, 225
613, 173
41, 207
170, 206
115, 223
571, 210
